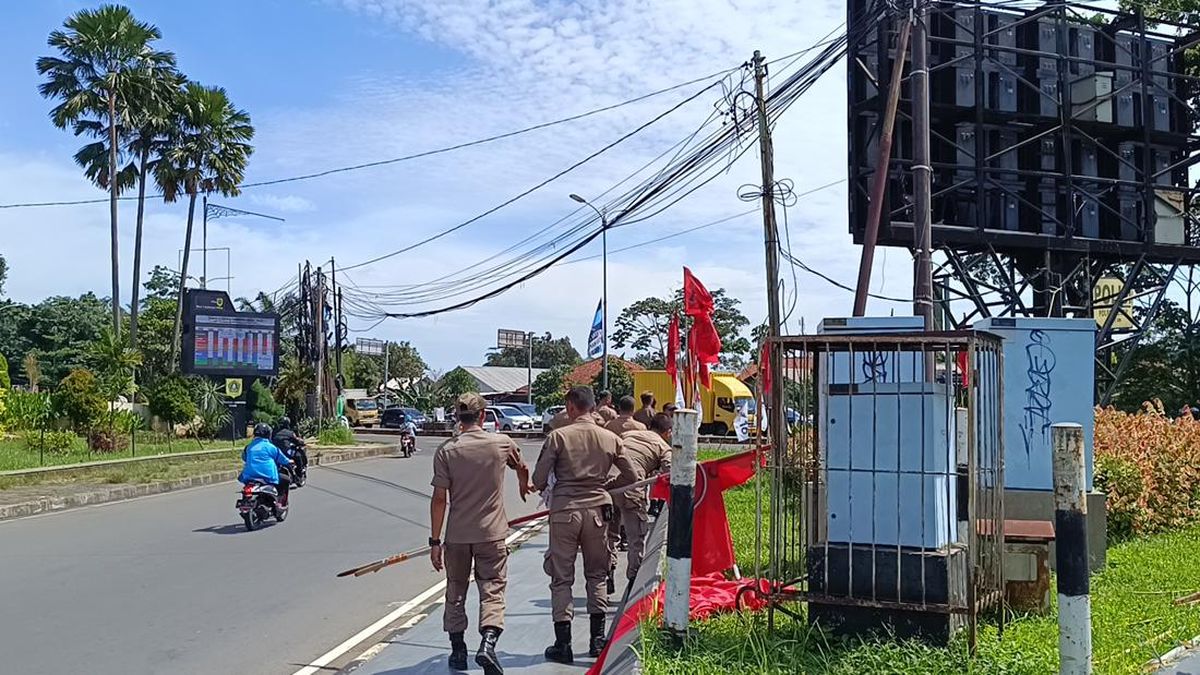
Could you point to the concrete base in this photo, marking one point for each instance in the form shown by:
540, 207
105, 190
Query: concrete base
1039, 505
863, 574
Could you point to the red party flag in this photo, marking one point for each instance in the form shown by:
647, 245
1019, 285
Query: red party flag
704, 343
764, 368
673, 350
963, 367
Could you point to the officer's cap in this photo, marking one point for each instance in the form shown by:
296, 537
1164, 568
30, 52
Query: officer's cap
471, 403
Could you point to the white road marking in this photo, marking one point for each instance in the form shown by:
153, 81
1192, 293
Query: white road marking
358, 638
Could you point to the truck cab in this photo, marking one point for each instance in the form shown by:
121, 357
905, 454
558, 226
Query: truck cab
362, 412
719, 405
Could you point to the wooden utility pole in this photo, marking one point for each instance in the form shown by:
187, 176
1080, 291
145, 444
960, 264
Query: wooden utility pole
879, 180
922, 216
771, 239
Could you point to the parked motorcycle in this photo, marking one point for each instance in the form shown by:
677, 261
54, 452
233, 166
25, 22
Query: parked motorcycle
259, 502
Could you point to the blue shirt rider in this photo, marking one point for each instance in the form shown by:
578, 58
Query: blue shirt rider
262, 458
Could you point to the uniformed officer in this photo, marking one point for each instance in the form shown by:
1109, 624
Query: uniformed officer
469, 469
580, 455
644, 454
604, 410
647, 411
624, 420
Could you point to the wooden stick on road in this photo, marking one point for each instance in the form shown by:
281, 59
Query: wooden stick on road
409, 555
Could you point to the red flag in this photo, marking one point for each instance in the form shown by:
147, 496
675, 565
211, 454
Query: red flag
963, 366
704, 343
673, 350
697, 301
712, 542
764, 368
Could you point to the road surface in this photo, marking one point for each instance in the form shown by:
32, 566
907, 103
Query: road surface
173, 583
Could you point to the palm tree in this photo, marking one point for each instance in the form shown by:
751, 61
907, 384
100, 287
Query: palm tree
207, 152
101, 51
160, 91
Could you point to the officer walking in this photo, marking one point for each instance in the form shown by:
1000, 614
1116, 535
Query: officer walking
644, 454
604, 410
624, 420
580, 455
469, 470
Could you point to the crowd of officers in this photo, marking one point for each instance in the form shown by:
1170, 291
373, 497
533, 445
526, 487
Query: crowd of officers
591, 455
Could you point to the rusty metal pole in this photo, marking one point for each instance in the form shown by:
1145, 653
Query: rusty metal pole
1071, 551
922, 171
879, 180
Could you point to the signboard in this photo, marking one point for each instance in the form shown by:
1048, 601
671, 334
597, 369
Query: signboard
506, 338
221, 342
369, 347
233, 387
1105, 294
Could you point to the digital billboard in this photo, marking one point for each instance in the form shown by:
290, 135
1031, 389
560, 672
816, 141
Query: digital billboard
221, 342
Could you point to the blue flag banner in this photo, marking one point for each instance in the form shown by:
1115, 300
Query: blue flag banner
596, 336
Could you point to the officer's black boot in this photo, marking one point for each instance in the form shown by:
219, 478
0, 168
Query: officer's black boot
598, 641
486, 656
458, 652
612, 583
560, 651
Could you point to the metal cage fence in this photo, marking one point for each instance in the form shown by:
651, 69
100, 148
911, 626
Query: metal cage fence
886, 500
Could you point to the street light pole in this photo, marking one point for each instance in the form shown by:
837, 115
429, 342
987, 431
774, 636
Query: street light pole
604, 281
529, 370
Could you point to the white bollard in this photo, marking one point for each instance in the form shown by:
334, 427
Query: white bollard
684, 437
1071, 551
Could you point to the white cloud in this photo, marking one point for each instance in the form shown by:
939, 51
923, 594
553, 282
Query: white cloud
526, 62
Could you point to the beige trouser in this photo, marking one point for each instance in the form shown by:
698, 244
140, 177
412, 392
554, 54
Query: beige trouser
633, 517
571, 531
491, 576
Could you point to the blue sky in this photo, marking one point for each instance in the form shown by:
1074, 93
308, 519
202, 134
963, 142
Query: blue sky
330, 83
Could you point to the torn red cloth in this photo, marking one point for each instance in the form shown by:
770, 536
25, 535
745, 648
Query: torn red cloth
712, 542
710, 594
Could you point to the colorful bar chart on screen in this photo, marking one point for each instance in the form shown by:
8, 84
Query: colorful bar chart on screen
235, 343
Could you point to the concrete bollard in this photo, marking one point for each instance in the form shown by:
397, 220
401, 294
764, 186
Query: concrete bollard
1071, 554
684, 437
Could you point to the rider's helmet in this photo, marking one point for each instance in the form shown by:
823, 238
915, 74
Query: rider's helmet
262, 430
284, 423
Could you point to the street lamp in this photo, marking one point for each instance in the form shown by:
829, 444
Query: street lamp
215, 211
604, 266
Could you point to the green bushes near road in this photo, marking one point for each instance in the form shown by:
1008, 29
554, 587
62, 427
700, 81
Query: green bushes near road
338, 435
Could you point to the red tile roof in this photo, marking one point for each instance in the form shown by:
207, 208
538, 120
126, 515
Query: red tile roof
586, 372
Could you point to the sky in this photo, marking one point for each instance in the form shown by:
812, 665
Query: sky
331, 83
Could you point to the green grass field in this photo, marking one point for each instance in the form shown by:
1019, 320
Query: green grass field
1133, 619
16, 453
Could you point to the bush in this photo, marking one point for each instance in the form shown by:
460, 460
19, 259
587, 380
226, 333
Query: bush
311, 427
339, 435
171, 402
53, 442
78, 399
23, 411
5, 380
212, 421
1149, 465
263, 407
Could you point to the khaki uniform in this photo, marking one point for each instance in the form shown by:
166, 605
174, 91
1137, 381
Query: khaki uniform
580, 455
471, 467
643, 454
644, 416
559, 420
606, 414
623, 423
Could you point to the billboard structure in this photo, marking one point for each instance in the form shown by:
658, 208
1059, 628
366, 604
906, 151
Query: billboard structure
222, 342
1061, 138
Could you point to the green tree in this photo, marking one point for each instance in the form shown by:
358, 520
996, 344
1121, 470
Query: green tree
405, 362
293, 383
643, 325
423, 394
620, 380
101, 55
207, 152
210, 399
171, 401
114, 363
5, 380
79, 400
32, 368
60, 329
3, 274
263, 406
546, 354
550, 387
454, 384
362, 371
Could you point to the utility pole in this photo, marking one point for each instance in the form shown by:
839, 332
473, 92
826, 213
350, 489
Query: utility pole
319, 335
337, 326
771, 240
529, 370
922, 216
387, 356
879, 180
204, 245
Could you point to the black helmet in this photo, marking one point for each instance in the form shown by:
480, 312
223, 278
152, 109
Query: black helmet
262, 430
284, 423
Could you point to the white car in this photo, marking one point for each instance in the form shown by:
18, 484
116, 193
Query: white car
509, 418
550, 413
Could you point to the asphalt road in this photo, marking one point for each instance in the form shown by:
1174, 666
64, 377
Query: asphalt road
173, 583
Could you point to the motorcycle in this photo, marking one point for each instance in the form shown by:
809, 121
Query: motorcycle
299, 455
259, 502
408, 445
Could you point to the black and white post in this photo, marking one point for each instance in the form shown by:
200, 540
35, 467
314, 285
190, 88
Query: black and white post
684, 439
1071, 554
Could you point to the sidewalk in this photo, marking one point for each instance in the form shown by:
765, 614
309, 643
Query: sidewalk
423, 648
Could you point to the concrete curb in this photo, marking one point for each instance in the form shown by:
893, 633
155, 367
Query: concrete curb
116, 493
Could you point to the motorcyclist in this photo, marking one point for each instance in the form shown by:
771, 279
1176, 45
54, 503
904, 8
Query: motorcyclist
262, 461
291, 444
408, 433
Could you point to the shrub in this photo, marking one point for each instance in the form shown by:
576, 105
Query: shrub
78, 399
171, 402
1149, 465
263, 407
24, 411
311, 427
53, 442
338, 435
5, 380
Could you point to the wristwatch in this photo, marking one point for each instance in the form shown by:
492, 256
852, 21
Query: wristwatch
435, 542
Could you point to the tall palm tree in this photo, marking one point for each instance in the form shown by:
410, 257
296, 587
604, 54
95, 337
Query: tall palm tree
208, 151
100, 52
151, 125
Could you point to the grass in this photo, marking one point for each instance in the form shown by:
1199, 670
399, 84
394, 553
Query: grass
142, 472
1133, 621
15, 453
